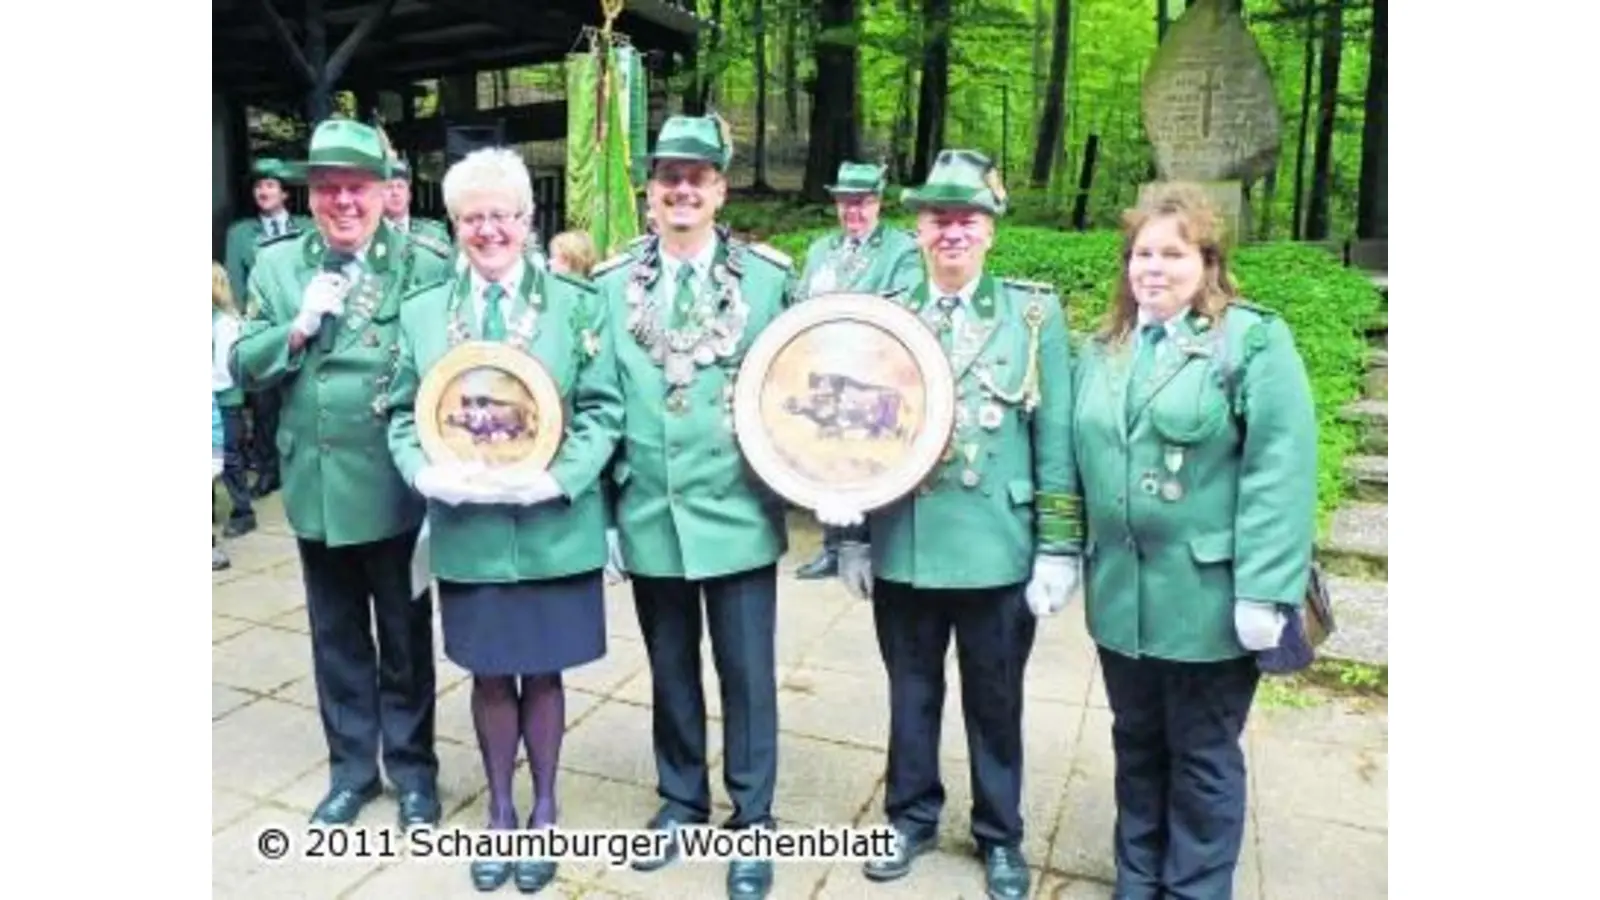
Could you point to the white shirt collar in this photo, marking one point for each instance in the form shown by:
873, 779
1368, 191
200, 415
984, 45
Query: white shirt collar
509, 282
966, 292
1145, 317
701, 262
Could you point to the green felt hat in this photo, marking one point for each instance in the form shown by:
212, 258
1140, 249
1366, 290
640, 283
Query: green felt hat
960, 178
268, 167
860, 178
399, 168
700, 138
348, 144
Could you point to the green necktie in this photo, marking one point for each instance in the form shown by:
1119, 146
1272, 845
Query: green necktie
494, 324
1144, 359
683, 300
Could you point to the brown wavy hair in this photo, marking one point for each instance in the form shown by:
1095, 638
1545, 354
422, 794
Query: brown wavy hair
1201, 225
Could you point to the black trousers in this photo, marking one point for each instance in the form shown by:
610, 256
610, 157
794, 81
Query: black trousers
263, 449
233, 463
741, 611
372, 700
1180, 779
994, 632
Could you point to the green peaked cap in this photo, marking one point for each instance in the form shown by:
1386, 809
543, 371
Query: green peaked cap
860, 178
348, 144
960, 178
699, 138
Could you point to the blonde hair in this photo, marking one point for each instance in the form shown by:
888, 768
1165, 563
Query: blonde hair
1201, 225
221, 291
495, 170
577, 249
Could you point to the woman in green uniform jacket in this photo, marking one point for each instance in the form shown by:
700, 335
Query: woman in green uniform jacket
518, 562
1196, 452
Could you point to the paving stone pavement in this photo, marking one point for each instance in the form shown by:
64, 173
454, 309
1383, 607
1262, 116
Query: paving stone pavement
1318, 825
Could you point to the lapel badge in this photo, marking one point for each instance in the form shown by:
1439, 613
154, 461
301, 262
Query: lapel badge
990, 416
1172, 491
370, 338
969, 478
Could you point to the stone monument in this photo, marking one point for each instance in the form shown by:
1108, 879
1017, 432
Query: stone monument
1211, 110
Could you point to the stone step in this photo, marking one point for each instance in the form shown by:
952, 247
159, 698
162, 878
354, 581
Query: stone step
1361, 614
1375, 381
1357, 543
1372, 420
1369, 478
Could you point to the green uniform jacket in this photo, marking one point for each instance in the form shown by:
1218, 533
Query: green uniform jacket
1164, 566
687, 505
493, 543
244, 238
889, 260
433, 231
340, 485
1007, 490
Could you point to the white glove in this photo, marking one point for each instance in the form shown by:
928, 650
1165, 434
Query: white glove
839, 515
324, 296
451, 484
1258, 625
616, 572
855, 568
524, 491
1054, 579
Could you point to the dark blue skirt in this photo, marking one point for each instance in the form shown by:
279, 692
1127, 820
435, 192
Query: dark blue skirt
524, 627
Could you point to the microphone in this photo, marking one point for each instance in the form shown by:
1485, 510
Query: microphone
333, 261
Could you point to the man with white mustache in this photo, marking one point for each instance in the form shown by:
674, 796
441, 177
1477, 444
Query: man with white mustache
988, 542
690, 521
864, 255
324, 319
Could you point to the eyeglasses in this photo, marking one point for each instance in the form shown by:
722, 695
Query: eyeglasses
499, 219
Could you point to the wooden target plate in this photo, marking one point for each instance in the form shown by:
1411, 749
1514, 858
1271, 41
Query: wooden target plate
491, 403
846, 398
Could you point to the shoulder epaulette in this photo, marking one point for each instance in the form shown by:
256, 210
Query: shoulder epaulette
611, 263
771, 254
1256, 308
431, 244
423, 288
638, 242
576, 281
1037, 287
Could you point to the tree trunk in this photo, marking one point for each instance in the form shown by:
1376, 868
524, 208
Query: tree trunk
759, 182
704, 78
1048, 146
1297, 228
835, 115
1317, 213
1372, 196
902, 117
791, 68
1039, 75
935, 86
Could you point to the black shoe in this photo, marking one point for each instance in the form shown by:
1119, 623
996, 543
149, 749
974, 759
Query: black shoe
489, 874
1005, 873
419, 807
343, 804
907, 847
533, 874
239, 527
826, 565
661, 821
749, 879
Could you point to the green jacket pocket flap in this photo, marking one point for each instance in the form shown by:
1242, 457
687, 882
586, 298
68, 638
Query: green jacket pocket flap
1212, 548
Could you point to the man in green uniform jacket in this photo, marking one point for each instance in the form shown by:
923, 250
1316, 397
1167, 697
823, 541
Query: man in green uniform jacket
987, 543
863, 255
397, 210
692, 520
245, 237
325, 312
